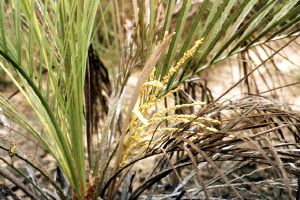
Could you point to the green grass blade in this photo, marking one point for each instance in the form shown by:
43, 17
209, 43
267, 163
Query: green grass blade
186, 5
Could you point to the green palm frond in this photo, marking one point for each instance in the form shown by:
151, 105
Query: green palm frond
51, 37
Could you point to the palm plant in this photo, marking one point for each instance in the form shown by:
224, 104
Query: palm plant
45, 49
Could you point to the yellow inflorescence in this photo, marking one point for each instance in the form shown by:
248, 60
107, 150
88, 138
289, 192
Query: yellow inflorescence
146, 125
190, 53
154, 83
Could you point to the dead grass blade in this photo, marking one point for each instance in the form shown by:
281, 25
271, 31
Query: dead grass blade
196, 169
212, 163
149, 66
6, 174
280, 167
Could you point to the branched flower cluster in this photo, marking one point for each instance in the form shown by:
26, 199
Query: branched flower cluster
151, 123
